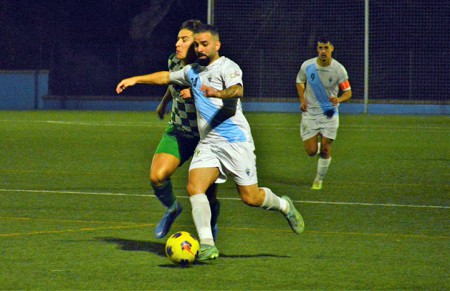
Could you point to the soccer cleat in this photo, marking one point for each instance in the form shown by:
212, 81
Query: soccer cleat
317, 185
294, 217
207, 252
169, 217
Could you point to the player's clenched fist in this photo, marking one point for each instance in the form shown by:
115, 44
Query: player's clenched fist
209, 91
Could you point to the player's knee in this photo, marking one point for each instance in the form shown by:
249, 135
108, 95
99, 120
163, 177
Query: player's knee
158, 177
325, 155
311, 148
192, 189
311, 151
325, 152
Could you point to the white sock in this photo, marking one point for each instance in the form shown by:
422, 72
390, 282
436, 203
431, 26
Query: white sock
322, 168
273, 202
201, 214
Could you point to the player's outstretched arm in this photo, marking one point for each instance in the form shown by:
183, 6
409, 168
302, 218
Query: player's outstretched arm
158, 78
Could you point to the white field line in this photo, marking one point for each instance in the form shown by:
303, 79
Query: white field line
234, 199
281, 126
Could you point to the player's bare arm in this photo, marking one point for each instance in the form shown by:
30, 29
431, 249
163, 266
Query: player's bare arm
346, 95
301, 96
158, 78
235, 91
161, 109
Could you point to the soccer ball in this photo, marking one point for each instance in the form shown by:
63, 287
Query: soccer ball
182, 248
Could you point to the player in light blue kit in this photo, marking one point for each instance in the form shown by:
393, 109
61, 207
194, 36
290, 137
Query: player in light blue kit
180, 138
318, 83
226, 145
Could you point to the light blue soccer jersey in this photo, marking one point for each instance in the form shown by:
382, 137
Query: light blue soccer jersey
221, 74
331, 77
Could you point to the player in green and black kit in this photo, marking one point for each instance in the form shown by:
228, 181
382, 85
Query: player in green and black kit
180, 137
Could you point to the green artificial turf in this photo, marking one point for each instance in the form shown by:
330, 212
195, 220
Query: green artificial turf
77, 211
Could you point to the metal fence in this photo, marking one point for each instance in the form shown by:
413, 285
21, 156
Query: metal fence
407, 54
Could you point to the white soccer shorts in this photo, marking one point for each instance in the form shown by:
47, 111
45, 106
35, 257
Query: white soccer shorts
312, 125
237, 159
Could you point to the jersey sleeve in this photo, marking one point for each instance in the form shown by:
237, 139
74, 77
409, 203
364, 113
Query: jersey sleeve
301, 75
180, 77
232, 74
344, 84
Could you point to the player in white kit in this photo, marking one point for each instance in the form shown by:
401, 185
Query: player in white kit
226, 145
318, 84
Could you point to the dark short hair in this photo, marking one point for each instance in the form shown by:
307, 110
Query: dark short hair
207, 28
191, 24
324, 39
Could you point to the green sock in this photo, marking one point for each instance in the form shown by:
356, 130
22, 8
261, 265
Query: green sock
165, 193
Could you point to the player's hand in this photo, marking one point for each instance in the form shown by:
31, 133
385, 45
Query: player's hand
161, 110
334, 100
209, 92
124, 84
303, 107
186, 93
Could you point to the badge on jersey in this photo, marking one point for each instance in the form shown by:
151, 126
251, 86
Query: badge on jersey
235, 74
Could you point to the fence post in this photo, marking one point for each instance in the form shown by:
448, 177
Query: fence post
366, 56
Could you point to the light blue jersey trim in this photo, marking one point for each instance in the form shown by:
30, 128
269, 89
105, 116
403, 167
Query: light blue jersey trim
319, 90
208, 110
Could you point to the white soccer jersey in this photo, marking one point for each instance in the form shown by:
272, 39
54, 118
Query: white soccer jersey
331, 76
221, 74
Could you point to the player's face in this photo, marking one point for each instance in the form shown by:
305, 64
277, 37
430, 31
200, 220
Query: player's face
325, 50
184, 47
206, 47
